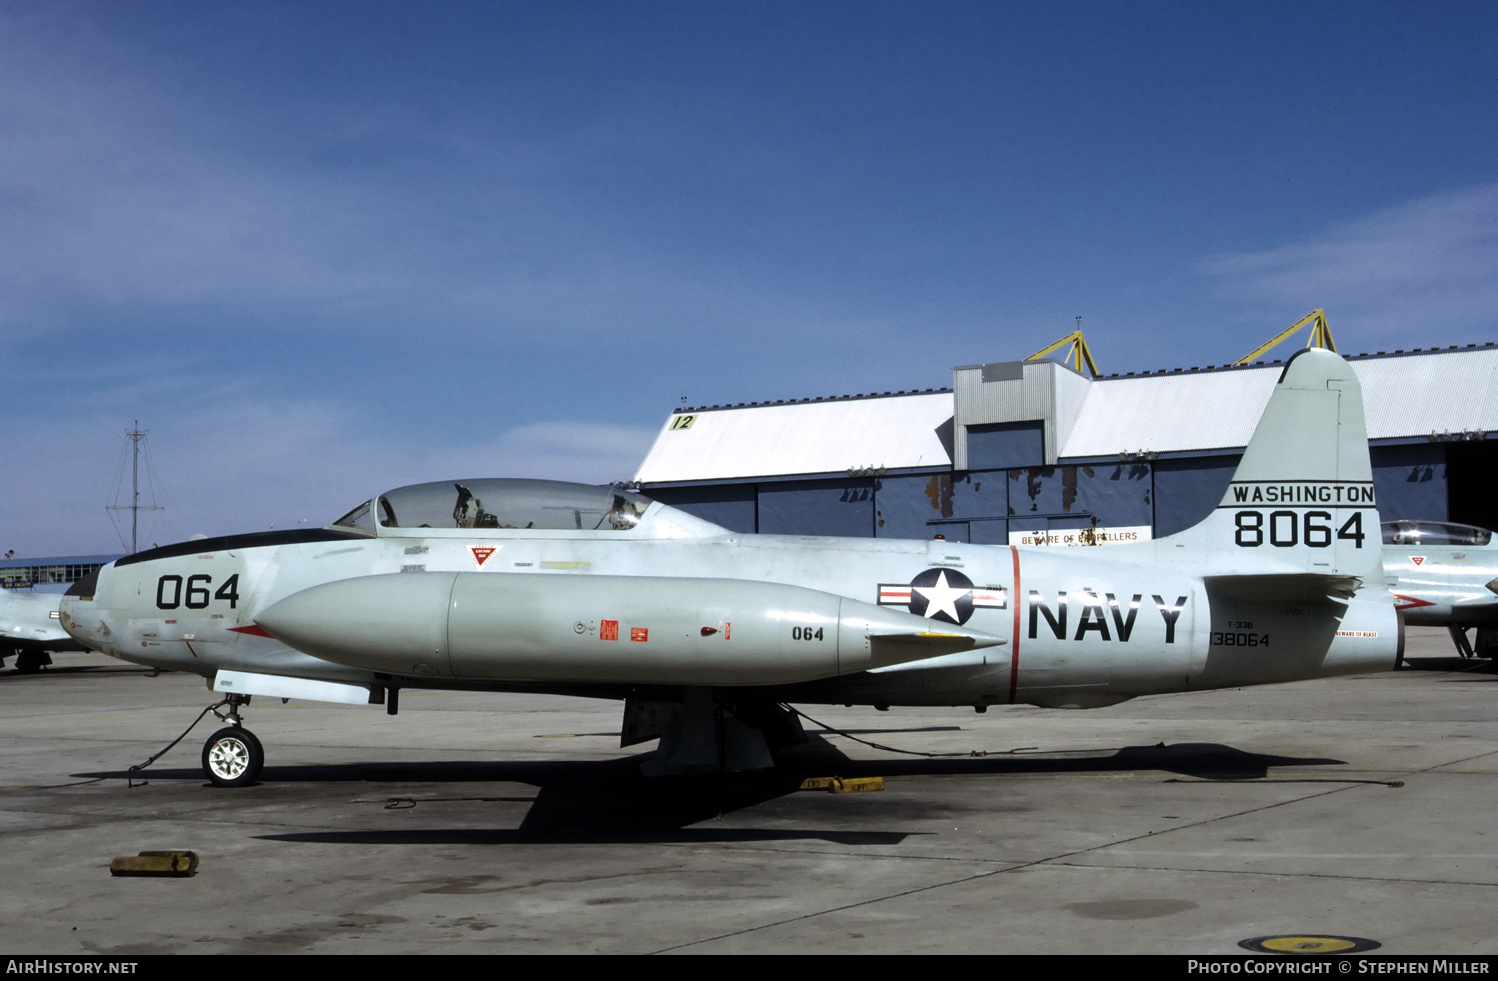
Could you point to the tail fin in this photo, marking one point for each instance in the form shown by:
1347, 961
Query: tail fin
1301, 501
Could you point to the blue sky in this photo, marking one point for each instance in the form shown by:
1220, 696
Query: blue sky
320, 249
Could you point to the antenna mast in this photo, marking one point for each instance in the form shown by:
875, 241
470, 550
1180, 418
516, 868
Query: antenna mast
135, 436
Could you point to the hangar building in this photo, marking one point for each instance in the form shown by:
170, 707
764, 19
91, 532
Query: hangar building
49, 575
1032, 452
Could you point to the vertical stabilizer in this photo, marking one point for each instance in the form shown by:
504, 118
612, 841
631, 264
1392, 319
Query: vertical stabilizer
1302, 500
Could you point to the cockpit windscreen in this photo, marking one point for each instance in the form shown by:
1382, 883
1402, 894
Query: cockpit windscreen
501, 503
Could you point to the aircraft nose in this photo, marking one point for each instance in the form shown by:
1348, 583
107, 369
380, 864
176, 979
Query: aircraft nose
82, 590
66, 621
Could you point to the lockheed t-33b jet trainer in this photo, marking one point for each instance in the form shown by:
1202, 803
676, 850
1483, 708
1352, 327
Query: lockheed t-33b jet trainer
706, 634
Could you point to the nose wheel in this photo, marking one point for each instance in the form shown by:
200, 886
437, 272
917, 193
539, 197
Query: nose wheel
233, 757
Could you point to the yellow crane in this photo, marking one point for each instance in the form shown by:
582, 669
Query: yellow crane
1078, 353
1321, 336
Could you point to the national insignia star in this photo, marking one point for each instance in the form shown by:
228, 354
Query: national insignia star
941, 598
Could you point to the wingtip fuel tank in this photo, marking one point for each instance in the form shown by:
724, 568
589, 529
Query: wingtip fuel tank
628, 629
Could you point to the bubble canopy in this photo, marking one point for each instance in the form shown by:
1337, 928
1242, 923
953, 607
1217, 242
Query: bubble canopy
500, 503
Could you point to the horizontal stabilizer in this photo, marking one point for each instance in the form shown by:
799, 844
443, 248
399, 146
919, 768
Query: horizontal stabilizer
1290, 586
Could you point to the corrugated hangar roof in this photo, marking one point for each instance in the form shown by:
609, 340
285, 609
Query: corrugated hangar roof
1441, 392
1405, 394
1161, 413
801, 437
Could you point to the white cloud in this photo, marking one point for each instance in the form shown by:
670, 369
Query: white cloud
1424, 272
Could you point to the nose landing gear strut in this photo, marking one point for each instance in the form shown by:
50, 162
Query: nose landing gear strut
232, 756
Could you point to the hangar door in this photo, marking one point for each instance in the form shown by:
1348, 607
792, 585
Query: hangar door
1471, 476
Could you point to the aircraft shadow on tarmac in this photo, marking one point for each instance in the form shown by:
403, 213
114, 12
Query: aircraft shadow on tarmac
1477, 669
608, 801
10, 674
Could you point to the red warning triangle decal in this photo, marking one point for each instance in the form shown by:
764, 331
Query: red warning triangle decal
1417, 559
481, 553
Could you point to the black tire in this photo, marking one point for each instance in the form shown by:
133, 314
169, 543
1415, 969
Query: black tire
232, 757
